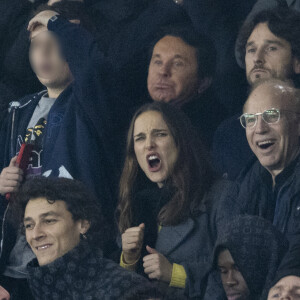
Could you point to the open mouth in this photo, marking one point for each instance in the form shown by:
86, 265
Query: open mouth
265, 144
154, 162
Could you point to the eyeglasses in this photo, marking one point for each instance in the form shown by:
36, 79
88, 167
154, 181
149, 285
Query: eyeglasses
270, 116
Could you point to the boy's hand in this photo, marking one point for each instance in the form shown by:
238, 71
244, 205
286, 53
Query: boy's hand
10, 177
41, 19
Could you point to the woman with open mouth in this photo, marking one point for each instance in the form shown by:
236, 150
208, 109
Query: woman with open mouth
167, 211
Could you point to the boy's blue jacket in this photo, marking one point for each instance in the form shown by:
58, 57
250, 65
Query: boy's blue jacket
78, 139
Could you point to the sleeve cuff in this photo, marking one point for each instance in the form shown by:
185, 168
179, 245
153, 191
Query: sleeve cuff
56, 22
126, 266
178, 276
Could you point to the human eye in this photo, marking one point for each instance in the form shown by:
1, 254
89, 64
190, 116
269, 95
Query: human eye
271, 116
178, 63
222, 270
250, 120
29, 226
271, 48
157, 62
277, 295
251, 50
50, 221
161, 134
139, 138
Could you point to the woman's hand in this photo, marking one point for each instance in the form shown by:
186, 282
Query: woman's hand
132, 242
156, 266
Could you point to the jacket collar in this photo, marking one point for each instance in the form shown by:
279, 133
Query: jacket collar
77, 255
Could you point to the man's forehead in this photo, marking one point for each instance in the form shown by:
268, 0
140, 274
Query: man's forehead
39, 206
225, 257
172, 44
265, 97
289, 282
262, 33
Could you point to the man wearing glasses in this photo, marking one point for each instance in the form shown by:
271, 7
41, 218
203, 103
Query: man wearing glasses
270, 187
268, 46
271, 119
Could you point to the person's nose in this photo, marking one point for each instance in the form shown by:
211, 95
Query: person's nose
259, 57
149, 144
231, 280
261, 126
165, 69
38, 232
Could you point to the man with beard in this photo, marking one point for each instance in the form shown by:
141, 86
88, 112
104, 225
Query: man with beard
269, 47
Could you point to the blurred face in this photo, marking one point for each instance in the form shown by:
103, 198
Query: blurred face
46, 60
275, 145
173, 71
50, 229
233, 282
288, 288
268, 56
154, 146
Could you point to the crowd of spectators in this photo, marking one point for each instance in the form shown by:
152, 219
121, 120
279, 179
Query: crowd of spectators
150, 149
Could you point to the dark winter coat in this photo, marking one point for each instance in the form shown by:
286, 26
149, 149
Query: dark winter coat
83, 273
189, 243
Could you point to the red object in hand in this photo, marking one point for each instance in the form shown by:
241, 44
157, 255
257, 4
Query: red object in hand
23, 160
24, 156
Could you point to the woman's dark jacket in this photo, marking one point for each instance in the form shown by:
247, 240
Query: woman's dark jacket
189, 243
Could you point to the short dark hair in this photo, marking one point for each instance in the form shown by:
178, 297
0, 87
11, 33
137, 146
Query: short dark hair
79, 201
206, 51
282, 22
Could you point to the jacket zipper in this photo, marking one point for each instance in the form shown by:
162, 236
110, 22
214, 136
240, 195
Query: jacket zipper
13, 106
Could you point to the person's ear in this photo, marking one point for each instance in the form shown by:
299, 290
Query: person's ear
84, 226
204, 84
296, 65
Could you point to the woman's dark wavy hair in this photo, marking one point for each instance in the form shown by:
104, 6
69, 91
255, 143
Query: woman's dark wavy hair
282, 22
192, 175
79, 202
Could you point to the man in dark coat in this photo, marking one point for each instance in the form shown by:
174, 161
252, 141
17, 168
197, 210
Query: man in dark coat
181, 71
270, 186
64, 228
